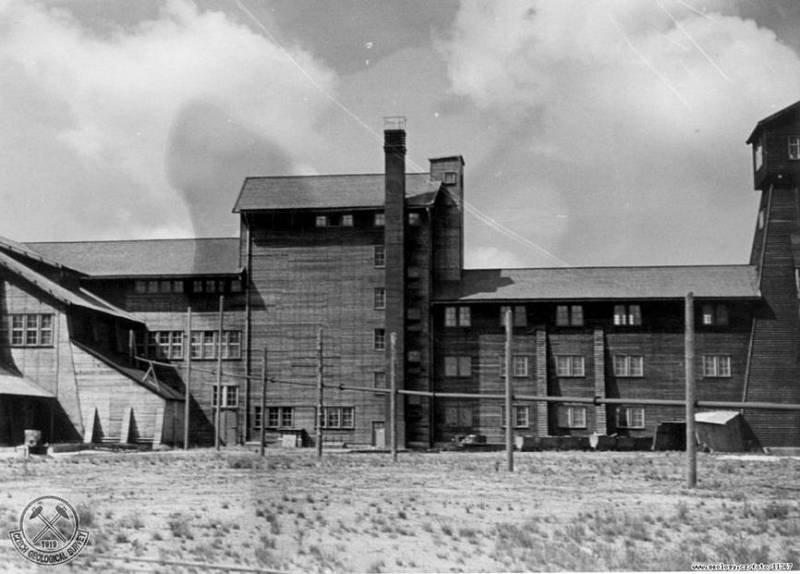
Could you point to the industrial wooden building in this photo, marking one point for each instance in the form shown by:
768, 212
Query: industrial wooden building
365, 256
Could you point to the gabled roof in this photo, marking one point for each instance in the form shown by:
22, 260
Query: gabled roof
147, 258
779, 115
329, 192
598, 283
80, 298
16, 248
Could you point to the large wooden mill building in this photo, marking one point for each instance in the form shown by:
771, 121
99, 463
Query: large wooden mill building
363, 256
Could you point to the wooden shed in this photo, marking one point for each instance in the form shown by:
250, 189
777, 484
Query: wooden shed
721, 431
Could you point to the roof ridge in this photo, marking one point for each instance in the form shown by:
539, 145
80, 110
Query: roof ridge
372, 174
578, 267
234, 238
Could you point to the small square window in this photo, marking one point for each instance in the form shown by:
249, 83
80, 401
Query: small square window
450, 177
379, 219
414, 219
140, 286
321, 221
414, 357
347, 220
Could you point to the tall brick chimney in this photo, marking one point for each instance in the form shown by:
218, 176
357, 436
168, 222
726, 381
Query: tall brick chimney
394, 147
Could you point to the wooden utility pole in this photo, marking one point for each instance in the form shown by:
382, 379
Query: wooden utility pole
320, 413
263, 400
691, 444
509, 417
218, 409
187, 349
132, 344
393, 392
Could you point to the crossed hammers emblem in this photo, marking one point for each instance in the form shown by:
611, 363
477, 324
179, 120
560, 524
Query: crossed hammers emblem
50, 523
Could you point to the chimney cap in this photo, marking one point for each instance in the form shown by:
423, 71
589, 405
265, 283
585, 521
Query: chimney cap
394, 123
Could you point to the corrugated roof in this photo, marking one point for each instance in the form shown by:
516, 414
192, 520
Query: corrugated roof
594, 283
11, 384
716, 417
794, 108
329, 192
81, 298
147, 258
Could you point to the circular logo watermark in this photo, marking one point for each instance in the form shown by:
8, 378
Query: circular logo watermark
49, 531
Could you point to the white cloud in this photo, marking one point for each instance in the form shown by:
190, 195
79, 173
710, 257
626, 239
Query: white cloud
635, 112
491, 258
108, 113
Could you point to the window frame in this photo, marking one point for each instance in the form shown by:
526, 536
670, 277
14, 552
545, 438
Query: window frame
334, 417
570, 418
627, 315
717, 366
715, 315
793, 147
379, 256
379, 219
379, 298
229, 400
456, 316
570, 315
379, 340
450, 178
458, 366
628, 421
347, 220
571, 371
628, 361
280, 415
29, 330
321, 221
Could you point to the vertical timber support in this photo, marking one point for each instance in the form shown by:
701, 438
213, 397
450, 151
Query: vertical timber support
542, 423
262, 439
509, 416
187, 349
320, 410
393, 393
218, 403
600, 422
691, 442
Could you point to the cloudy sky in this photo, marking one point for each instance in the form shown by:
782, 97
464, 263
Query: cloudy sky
595, 132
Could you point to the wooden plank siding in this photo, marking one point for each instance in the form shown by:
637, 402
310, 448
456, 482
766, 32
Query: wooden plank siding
774, 371
109, 393
304, 279
659, 341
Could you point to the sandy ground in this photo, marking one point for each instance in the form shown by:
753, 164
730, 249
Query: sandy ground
446, 512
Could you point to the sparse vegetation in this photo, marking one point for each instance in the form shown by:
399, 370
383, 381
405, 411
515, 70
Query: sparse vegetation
446, 512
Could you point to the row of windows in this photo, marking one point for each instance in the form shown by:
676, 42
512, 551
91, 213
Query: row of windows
574, 366
169, 344
31, 330
346, 219
568, 416
572, 315
284, 417
194, 286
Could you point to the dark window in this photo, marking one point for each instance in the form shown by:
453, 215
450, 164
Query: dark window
569, 315
450, 177
628, 315
794, 147
715, 315
630, 417
380, 297
380, 339
379, 255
